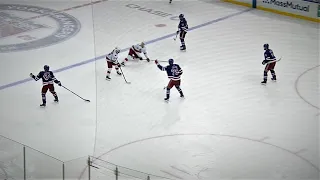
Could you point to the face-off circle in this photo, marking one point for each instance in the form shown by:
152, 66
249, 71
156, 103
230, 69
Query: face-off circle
25, 27
207, 156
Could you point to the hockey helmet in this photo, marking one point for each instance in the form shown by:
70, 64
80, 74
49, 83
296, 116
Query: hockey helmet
171, 61
117, 49
46, 67
181, 16
266, 46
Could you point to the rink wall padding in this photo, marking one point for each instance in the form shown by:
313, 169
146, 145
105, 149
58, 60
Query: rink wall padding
302, 9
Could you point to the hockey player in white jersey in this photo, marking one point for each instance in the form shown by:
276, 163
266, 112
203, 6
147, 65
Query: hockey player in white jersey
112, 60
135, 51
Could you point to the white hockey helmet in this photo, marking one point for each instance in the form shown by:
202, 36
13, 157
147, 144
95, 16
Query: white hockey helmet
117, 49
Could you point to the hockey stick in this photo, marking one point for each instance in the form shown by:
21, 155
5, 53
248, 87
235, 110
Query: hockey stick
274, 61
76, 94
124, 76
176, 35
159, 60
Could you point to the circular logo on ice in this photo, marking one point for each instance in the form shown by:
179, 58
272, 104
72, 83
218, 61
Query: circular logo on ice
24, 27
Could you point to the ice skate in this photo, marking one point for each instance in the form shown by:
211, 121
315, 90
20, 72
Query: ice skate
167, 97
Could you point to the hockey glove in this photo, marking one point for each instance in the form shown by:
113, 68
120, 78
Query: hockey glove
58, 82
264, 62
34, 77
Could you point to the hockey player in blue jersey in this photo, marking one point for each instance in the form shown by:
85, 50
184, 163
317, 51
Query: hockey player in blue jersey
268, 57
174, 73
48, 79
183, 28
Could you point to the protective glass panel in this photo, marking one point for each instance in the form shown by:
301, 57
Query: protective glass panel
11, 160
42, 166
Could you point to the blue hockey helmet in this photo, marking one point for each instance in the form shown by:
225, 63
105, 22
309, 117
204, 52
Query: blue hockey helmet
266, 46
46, 67
181, 16
171, 61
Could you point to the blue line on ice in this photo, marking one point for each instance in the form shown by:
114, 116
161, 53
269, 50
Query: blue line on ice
101, 57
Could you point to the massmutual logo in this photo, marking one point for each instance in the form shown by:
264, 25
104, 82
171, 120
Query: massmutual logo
24, 27
288, 4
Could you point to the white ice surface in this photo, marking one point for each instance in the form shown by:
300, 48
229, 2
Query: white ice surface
228, 126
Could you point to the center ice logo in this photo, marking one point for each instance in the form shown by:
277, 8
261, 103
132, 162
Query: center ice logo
24, 27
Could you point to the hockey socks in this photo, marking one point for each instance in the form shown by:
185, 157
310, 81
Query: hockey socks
265, 76
56, 99
167, 95
44, 101
180, 91
109, 72
273, 73
183, 45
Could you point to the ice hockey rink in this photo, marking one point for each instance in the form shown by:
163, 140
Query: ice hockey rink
228, 126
